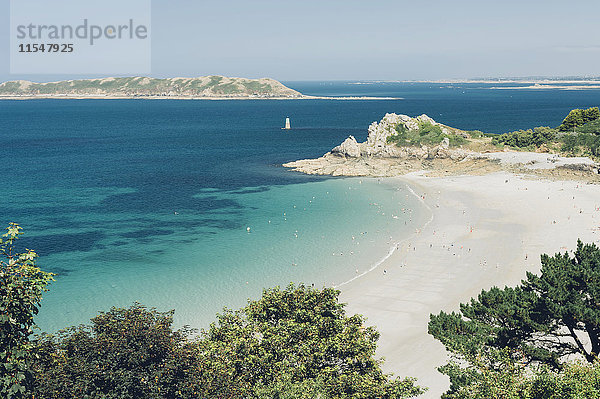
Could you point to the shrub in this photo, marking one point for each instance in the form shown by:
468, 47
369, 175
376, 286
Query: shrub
579, 117
427, 133
125, 353
21, 286
526, 138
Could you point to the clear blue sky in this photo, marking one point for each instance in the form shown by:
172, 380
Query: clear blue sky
348, 39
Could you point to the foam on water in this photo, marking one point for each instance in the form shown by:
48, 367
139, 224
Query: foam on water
396, 245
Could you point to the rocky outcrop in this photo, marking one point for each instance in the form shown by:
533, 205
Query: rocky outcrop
377, 157
348, 148
379, 133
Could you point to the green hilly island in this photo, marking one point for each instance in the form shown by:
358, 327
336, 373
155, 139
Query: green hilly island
200, 87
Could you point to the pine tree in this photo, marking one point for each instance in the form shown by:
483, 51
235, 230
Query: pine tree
573, 120
539, 322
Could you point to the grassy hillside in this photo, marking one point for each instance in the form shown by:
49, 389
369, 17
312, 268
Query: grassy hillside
206, 86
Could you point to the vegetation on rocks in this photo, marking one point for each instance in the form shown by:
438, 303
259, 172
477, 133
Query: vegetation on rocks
426, 134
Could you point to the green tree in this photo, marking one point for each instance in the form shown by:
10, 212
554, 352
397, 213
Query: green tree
126, 353
592, 127
21, 286
543, 135
570, 144
578, 117
297, 337
591, 114
572, 120
538, 322
515, 381
526, 138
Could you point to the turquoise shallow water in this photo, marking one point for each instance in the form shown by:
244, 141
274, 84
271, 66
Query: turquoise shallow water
149, 201
320, 233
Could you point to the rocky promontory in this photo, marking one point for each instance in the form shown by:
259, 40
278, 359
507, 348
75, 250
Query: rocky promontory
383, 155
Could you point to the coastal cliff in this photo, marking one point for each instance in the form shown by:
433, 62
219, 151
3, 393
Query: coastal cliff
200, 87
396, 145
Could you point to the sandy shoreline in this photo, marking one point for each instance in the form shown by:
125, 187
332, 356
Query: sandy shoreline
485, 231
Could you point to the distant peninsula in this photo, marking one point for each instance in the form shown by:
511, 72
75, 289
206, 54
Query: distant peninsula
129, 87
204, 88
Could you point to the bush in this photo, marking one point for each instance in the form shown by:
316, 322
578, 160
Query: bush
515, 381
476, 134
526, 138
21, 286
579, 117
592, 127
295, 339
125, 353
426, 134
582, 143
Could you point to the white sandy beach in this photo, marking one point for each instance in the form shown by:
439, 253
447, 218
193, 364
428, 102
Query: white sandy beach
485, 231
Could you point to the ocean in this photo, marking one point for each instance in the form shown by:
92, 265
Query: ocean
184, 204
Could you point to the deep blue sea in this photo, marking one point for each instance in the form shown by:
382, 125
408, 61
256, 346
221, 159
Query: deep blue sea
184, 204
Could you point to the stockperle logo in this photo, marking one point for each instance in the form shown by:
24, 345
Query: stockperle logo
80, 37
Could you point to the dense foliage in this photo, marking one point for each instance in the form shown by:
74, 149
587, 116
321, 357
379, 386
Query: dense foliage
292, 343
515, 381
592, 127
21, 286
298, 338
579, 117
578, 135
585, 140
125, 353
427, 133
538, 322
526, 138
581, 144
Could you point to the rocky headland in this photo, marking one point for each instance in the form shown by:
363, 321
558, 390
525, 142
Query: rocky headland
381, 156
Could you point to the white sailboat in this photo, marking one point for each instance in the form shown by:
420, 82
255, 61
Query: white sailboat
288, 126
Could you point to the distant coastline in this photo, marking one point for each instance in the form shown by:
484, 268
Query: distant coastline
531, 84
541, 80
210, 98
138, 87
